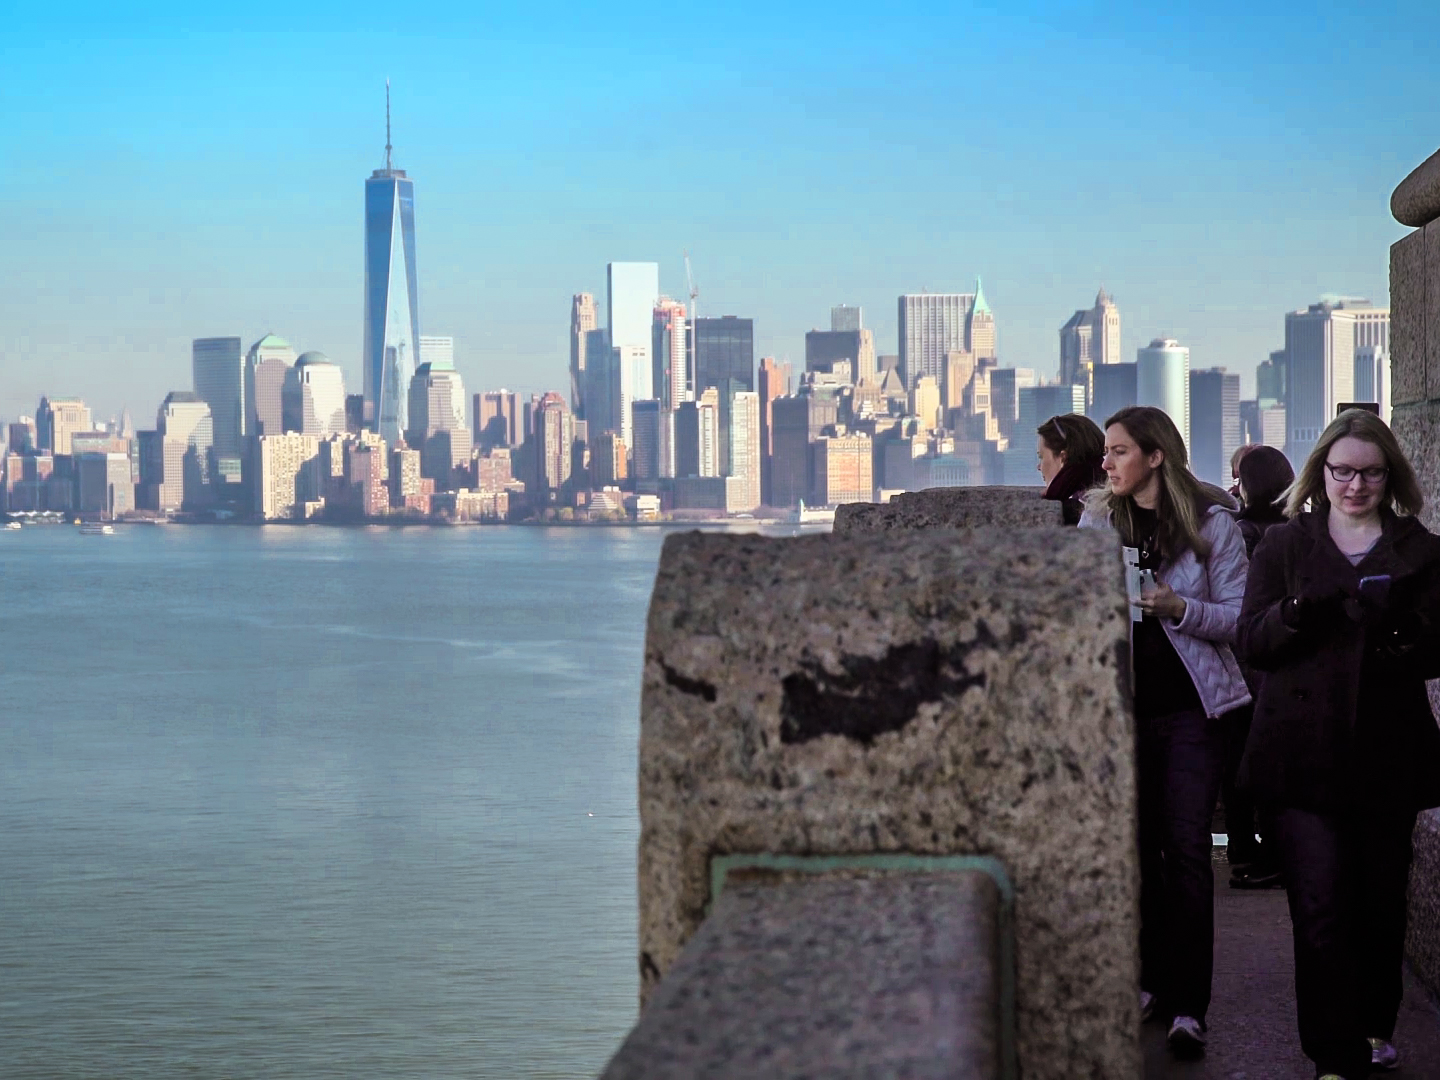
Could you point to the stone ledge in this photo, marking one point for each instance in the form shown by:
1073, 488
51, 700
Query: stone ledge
895, 975
1422, 934
1416, 201
827, 696
951, 508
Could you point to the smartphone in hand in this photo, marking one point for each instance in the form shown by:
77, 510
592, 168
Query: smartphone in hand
1375, 590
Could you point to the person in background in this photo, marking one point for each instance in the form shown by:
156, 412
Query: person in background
1264, 475
1071, 449
1240, 452
1341, 615
1186, 681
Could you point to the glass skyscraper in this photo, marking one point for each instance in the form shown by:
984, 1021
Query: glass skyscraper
392, 322
218, 370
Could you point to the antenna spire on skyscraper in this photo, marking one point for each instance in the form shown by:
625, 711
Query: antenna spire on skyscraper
387, 125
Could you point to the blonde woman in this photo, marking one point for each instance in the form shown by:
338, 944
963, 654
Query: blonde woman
1340, 615
1186, 679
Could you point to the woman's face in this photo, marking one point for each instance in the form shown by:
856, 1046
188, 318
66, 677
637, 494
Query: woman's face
1050, 463
1355, 497
1127, 468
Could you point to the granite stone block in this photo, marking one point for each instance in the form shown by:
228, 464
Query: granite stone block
1417, 427
1432, 311
1407, 319
836, 977
954, 692
1020, 507
1416, 201
1422, 936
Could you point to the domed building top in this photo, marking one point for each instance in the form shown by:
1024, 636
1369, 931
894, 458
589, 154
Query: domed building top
313, 357
271, 341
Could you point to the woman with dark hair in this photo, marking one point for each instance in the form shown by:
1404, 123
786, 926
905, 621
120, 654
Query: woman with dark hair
1342, 614
1264, 475
1186, 679
1070, 450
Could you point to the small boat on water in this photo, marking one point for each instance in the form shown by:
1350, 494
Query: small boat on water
96, 528
12, 525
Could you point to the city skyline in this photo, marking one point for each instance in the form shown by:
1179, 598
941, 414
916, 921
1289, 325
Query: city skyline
1205, 258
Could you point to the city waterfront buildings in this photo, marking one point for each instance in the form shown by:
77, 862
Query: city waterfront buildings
496, 419
1320, 355
57, 420
437, 419
392, 320
288, 475
1090, 338
742, 486
1115, 388
724, 360
669, 347
106, 485
632, 289
1162, 379
843, 469
583, 320
312, 397
846, 318
774, 381
218, 372
175, 457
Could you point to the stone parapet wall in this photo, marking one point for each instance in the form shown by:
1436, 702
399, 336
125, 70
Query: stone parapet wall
1415, 401
821, 696
953, 508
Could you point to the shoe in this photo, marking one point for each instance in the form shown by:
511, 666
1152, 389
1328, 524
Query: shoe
1383, 1055
1147, 1006
1187, 1037
1256, 877
1330, 1076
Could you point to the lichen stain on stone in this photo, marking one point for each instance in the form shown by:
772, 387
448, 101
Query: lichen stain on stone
873, 695
686, 685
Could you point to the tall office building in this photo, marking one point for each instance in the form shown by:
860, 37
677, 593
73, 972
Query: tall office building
56, 420
742, 486
631, 290
1320, 372
646, 421
932, 325
1162, 379
1005, 387
392, 310
437, 420
724, 359
554, 432
582, 320
668, 353
1214, 424
437, 351
496, 419
697, 436
218, 368
846, 318
844, 470
313, 397
1089, 339
774, 383
601, 389
267, 371
1372, 377
797, 422
1114, 389
826, 348
980, 326
106, 485
175, 457
1270, 380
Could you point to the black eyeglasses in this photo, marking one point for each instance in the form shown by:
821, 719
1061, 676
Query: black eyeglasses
1343, 474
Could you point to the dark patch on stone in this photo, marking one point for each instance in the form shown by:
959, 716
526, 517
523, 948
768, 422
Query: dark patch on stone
686, 685
648, 970
871, 696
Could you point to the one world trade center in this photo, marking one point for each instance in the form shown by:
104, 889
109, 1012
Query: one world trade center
392, 324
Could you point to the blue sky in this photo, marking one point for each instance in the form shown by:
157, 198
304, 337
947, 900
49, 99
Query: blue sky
172, 174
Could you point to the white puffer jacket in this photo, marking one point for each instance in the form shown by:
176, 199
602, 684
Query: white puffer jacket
1212, 591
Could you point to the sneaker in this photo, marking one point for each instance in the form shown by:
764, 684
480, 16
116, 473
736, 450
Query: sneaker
1187, 1037
1147, 1005
1383, 1055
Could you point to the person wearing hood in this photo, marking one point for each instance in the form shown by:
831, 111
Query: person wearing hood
1070, 451
1342, 616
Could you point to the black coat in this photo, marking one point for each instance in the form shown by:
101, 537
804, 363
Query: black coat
1343, 717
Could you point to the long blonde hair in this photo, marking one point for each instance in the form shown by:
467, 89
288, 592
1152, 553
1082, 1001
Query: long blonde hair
1402, 490
1183, 502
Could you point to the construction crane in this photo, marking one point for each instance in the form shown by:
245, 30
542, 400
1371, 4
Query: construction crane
690, 281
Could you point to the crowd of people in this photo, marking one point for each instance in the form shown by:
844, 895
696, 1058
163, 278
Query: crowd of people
1281, 638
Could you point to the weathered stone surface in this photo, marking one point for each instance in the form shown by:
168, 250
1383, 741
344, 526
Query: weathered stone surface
951, 693
1019, 507
1417, 427
1422, 940
894, 976
1407, 319
1416, 202
1432, 311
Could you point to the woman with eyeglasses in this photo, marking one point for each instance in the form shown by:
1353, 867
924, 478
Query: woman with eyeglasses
1187, 682
1341, 614
1070, 450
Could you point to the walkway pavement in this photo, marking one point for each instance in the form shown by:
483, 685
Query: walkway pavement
1252, 1018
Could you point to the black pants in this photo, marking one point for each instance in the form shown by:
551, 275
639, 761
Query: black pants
1346, 875
1180, 757
1241, 820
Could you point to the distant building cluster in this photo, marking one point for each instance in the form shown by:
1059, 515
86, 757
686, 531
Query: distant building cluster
667, 412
